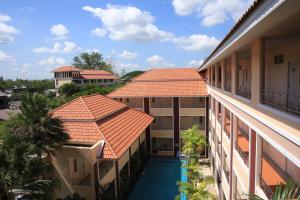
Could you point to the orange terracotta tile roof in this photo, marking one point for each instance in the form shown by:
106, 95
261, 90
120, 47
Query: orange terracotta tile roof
169, 74
66, 69
121, 130
181, 82
92, 107
97, 74
89, 119
87, 74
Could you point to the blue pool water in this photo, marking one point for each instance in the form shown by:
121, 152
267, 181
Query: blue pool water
158, 181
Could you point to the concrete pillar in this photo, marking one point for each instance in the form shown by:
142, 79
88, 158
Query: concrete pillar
233, 72
217, 75
234, 131
234, 186
252, 159
257, 58
223, 74
231, 158
129, 162
148, 134
176, 124
117, 180
258, 160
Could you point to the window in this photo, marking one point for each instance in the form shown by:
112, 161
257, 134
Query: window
75, 165
86, 81
110, 80
153, 100
99, 80
93, 81
127, 100
278, 59
105, 80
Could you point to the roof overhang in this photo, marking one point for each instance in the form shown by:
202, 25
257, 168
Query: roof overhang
267, 15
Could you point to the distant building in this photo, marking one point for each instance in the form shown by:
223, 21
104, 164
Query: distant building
71, 74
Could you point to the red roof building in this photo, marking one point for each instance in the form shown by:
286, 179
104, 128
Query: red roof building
175, 97
69, 74
89, 119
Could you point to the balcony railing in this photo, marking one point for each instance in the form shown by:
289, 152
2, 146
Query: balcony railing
288, 102
227, 86
227, 126
243, 91
242, 146
267, 190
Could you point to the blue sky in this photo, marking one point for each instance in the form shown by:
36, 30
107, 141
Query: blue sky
37, 36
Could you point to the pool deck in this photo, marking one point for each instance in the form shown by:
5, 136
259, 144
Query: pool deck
158, 180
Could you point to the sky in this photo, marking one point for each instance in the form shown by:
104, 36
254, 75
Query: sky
36, 36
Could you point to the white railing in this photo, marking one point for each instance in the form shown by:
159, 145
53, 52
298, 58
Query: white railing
288, 102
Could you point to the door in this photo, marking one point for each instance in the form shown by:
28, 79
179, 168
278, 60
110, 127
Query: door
293, 87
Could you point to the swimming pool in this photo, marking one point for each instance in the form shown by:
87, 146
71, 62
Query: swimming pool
158, 180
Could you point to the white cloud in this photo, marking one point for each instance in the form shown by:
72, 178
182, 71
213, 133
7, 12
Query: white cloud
4, 57
158, 61
99, 32
59, 30
70, 47
126, 66
196, 42
195, 63
128, 55
52, 61
66, 47
212, 12
128, 23
7, 32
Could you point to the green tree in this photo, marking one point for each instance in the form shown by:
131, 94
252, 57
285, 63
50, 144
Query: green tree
92, 61
69, 89
288, 191
27, 138
196, 188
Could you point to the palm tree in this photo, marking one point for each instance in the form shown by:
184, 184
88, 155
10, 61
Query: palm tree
289, 191
197, 186
30, 135
37, 127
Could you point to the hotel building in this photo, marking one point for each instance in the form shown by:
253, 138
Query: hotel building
71, 74
176, 98
106, 149
253, 82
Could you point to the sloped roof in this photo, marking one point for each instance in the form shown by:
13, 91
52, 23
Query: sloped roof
92, 107
176, 82
168, 74
66, 69
87, 74
92, 118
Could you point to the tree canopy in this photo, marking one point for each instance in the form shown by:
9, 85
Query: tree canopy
26, 137
92, 61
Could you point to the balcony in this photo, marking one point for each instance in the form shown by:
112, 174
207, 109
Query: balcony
192, 102
227, 86
161, 103
282, 100
243, 146
188, 122
227, 123
243, 91
271, 176
162, 123
134, 102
